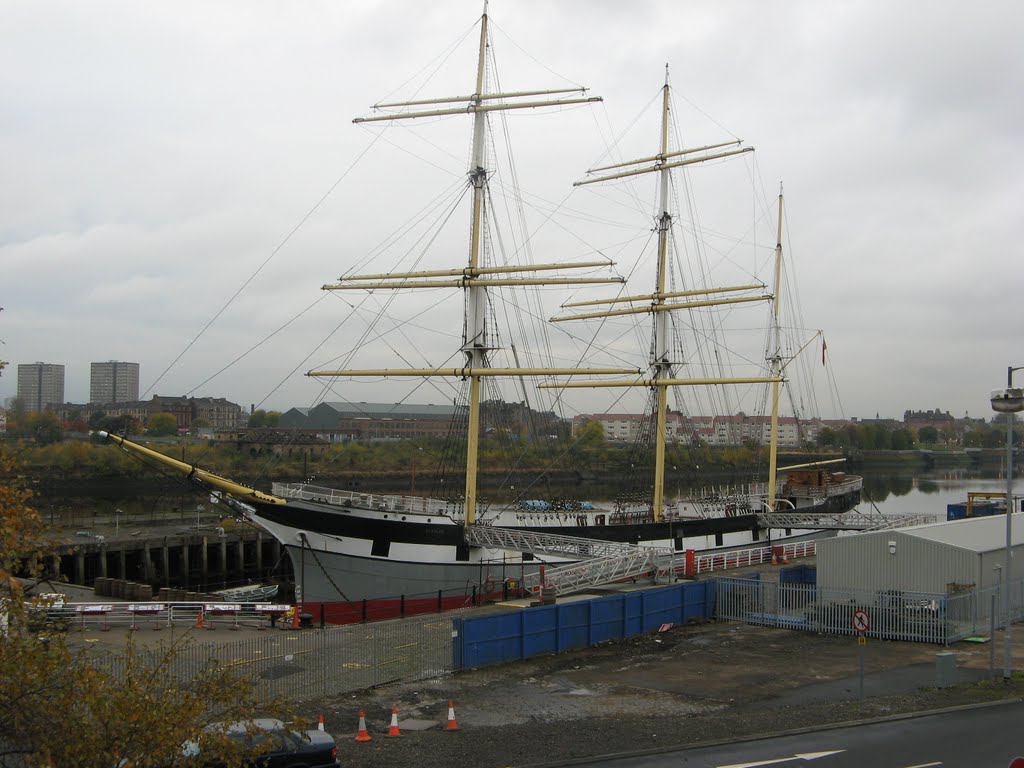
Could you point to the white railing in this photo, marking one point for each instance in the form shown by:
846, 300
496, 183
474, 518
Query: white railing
379, 501
741, 558
156, 615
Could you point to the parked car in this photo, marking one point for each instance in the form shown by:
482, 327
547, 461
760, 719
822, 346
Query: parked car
270, 743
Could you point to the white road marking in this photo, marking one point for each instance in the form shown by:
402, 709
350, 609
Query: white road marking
800, 756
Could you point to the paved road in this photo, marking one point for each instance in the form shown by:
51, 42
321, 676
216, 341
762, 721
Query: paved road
969, 738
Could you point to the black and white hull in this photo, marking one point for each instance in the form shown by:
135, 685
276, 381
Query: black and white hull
348, 547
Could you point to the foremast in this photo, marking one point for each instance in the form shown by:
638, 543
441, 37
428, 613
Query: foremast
661, 364
476, 278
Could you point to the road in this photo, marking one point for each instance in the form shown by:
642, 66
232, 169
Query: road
977, 737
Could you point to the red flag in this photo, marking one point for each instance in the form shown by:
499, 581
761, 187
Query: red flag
824, 346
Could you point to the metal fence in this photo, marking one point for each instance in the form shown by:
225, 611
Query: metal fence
313, 663
740, 558
927, 617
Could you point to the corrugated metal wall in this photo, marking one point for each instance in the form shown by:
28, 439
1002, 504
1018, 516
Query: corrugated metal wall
990, 577
864, 561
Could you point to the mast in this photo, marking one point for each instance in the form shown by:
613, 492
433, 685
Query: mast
474, 342
775, 361
661, 363
477, 278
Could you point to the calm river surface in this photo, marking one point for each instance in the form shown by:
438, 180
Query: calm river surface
925, 493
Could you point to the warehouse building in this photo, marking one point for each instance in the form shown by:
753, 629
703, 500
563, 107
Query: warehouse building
948, 557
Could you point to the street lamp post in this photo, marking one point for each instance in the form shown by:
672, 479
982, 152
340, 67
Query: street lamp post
1008, 401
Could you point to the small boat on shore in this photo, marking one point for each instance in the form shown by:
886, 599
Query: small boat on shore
250, 593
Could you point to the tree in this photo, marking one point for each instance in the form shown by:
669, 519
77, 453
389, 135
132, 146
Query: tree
261, 418
96, 420
928, 435
973, 439
119, 425
44, 426
62, 705
901, 440
162, 424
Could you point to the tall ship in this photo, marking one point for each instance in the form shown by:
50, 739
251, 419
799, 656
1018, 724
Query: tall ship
348, 546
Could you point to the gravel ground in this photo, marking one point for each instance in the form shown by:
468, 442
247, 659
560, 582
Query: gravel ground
708, 682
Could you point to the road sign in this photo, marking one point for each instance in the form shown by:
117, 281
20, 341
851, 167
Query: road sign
861, 622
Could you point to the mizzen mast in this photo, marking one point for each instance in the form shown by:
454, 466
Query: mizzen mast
775, 361
477, 278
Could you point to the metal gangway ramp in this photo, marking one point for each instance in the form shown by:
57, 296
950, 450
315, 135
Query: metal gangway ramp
841, 521
600, 561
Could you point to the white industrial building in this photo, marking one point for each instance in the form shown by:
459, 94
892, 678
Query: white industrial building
945, 557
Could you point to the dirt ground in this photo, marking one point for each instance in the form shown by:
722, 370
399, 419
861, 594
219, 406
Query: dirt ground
691, 684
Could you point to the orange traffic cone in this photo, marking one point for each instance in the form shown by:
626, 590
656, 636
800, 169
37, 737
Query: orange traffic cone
452, 724
393, 729
295, 617
199, 618
320, 724
363, 734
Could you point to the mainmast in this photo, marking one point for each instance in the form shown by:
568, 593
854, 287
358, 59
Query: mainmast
661, 363
477, 278
775, 362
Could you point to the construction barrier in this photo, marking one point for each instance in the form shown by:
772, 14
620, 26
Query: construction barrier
559, 627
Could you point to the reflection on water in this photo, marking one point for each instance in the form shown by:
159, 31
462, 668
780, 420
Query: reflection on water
85, 503
904, 493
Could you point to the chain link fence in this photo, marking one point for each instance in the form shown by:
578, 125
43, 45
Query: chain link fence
309, 664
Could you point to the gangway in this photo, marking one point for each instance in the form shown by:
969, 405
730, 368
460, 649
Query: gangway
841, 521
536, 543
600, 562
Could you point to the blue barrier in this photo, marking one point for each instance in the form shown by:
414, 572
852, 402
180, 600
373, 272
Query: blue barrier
799, 574
527, 632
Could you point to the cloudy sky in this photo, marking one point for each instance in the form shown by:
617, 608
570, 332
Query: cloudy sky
157, 159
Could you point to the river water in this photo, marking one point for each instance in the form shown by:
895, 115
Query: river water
921, 493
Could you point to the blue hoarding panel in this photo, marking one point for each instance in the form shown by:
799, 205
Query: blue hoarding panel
549, 629
491, 640
540, 630
574, 625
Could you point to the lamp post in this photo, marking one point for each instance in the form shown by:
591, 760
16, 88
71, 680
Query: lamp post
1008, 401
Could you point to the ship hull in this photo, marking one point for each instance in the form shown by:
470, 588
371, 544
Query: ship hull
371, 553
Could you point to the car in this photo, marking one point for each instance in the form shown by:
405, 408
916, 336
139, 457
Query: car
269, 743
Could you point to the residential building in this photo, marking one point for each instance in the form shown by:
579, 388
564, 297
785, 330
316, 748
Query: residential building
935, 418
712, 430
218, 412
114, 382
40, 385
221, 414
